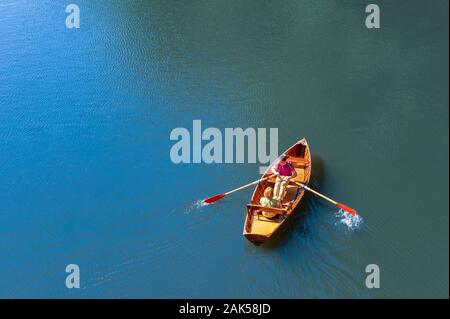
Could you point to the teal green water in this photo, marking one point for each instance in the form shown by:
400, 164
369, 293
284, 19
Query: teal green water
86, 176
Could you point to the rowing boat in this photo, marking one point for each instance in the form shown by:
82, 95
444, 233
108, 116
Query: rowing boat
258, 228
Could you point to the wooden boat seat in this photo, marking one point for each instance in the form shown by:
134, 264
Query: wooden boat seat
301, 175
298, 161
263, 225
268, 209
261, 217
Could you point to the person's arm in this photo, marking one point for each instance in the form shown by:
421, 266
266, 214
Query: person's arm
274, 169
294, 173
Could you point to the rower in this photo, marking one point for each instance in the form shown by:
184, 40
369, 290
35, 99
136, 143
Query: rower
284, 170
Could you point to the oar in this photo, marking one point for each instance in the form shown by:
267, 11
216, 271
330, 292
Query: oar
219, 196
344, 207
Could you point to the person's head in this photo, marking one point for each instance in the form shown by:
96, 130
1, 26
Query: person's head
268, 192
283, 159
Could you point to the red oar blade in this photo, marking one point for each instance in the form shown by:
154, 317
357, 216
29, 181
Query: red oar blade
349, 210
214, 198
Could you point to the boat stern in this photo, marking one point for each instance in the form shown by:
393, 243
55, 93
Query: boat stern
255, 238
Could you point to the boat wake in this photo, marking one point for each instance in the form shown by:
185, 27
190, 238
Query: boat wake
353, 223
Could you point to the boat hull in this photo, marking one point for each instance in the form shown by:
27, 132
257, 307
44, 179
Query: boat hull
257, 228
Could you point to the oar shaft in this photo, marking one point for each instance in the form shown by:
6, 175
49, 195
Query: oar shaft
317, 193
245, 186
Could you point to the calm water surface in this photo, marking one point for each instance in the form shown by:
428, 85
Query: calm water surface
85, 172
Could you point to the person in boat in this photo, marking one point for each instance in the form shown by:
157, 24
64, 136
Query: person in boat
268, 201
284, 170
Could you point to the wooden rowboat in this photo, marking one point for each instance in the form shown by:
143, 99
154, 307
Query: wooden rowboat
258, 228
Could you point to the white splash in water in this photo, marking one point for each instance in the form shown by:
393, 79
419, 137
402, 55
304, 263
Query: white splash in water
195, 205
352, 222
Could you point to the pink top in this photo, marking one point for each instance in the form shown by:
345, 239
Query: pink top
286, 169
